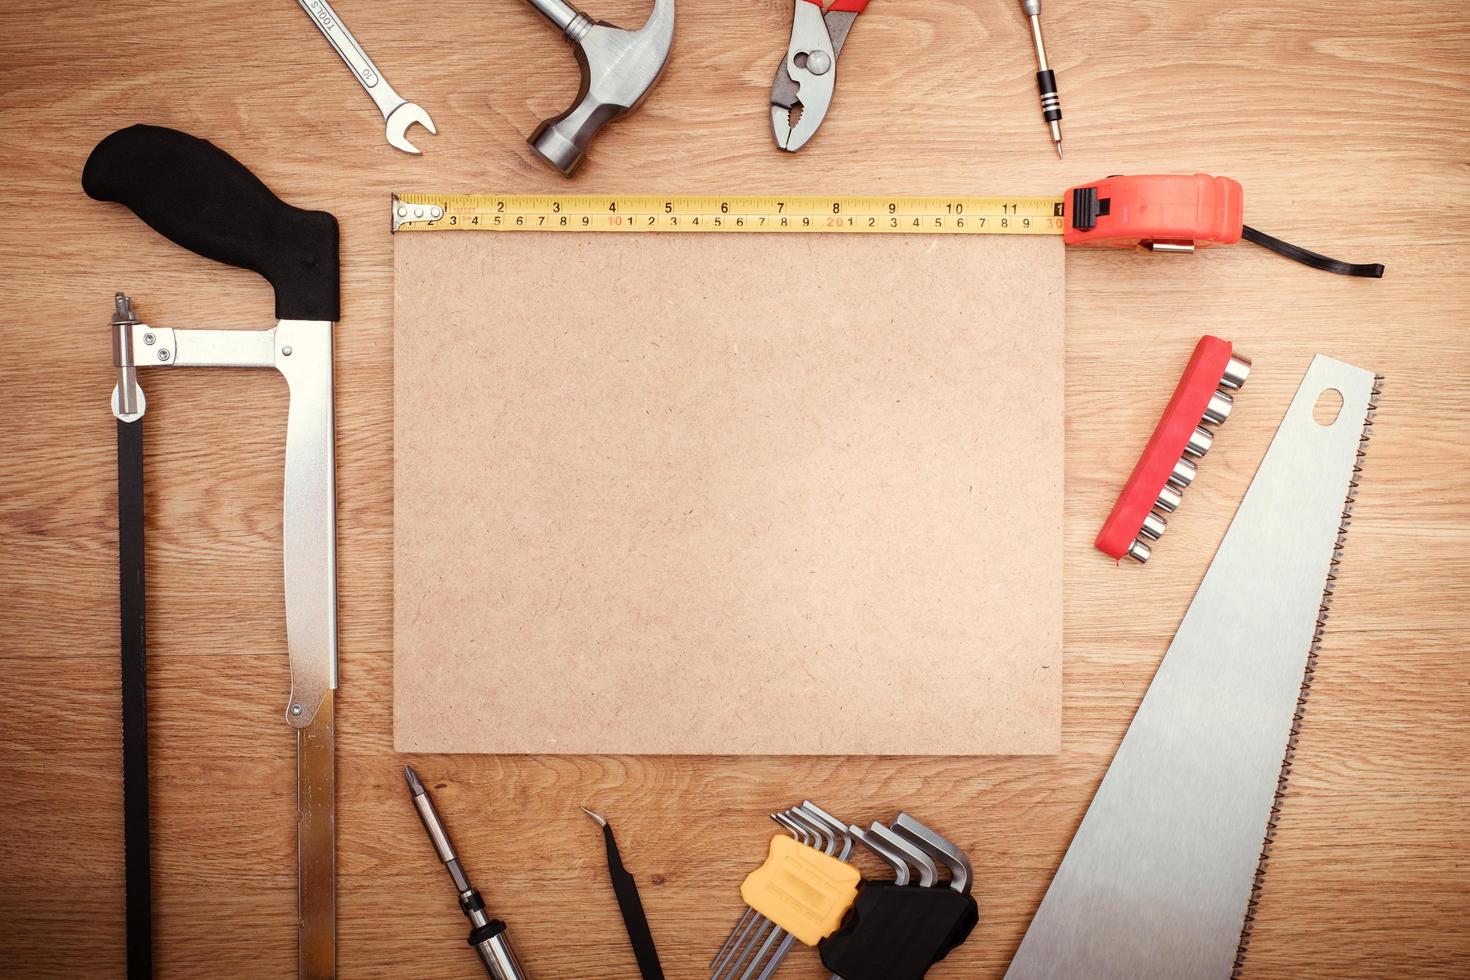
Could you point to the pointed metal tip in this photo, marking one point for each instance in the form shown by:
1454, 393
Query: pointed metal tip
414, 786
595, 816
1059, 150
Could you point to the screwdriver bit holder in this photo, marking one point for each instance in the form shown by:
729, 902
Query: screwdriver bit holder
1167, 467
864, 930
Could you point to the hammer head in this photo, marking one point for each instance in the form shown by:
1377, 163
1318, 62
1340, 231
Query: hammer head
619, 68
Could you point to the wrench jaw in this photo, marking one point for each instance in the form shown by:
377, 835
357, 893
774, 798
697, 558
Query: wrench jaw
399, 122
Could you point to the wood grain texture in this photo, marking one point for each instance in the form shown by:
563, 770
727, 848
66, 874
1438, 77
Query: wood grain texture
1346, 123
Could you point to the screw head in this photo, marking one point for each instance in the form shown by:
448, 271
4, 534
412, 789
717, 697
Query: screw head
148, 339
285, 351
296, 709
163, 354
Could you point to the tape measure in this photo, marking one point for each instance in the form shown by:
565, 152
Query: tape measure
1157, 212
623, 214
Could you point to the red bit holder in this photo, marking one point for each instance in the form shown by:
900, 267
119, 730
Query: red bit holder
1167, 466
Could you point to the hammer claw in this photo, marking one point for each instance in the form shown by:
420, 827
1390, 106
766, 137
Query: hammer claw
399, 121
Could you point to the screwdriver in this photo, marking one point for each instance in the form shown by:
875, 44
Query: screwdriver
488, 935
1046, 79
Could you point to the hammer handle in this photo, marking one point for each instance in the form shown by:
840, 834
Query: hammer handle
559, 12
198, 196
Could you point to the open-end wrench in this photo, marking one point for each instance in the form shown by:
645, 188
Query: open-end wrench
397, 112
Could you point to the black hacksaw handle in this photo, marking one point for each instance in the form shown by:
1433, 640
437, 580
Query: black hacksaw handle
198, 196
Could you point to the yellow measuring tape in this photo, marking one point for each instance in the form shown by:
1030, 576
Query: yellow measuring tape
626, 213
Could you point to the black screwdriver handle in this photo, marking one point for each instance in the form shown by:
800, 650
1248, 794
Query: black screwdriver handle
198, 196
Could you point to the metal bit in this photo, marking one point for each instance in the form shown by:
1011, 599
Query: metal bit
1200, 441
1237, 369
1139, 552
1153, 526
1218, 410
1183, 474
488, 936
1169, 499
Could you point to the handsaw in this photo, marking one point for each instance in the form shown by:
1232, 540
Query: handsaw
1163, 875
199, 197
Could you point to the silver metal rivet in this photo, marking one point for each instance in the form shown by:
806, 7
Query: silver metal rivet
163, 354
148, 339
285, 351
296, 709
819, 62
402, 212
418, 212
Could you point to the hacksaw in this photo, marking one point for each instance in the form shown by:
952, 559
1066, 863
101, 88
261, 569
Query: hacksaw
1163, 875
196, 195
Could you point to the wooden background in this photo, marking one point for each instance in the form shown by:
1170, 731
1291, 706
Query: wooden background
1347, 124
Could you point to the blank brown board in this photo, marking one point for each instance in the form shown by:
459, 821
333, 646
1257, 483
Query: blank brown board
770, 494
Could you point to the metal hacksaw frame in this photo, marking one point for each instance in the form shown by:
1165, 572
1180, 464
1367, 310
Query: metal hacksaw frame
301, 350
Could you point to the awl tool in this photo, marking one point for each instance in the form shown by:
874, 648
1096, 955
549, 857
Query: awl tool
805, 80
1162, 878
487, 935
196, 195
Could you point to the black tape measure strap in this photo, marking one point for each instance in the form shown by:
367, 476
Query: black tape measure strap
1314, 259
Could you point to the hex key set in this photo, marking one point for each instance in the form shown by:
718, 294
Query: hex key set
864, 930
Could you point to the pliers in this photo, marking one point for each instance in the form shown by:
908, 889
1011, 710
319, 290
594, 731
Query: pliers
802, 91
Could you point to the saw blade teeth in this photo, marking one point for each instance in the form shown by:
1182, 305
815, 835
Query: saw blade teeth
1289, 755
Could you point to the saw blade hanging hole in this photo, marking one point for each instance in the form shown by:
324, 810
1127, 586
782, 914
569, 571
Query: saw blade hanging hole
1328, 407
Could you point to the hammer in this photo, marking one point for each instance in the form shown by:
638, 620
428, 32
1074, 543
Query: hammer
619, 67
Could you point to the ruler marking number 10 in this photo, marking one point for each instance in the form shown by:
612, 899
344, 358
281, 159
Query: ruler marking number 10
617, 213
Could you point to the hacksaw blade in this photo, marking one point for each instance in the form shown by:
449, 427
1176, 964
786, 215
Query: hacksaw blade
1162, 877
